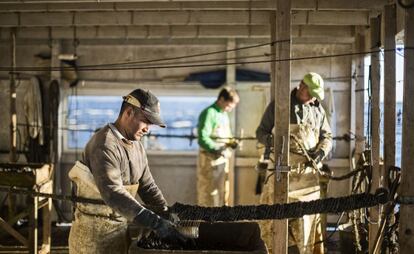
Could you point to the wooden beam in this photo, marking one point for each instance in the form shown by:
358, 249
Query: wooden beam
55, 62
186, 17
231, 81
313, 33
282, 120
375, 123
358, 73
352, 103
231, 69
9, 229
41, 6
13, 98
351, 4
389, 87
33, 226
333, 18
406, 230
272, 22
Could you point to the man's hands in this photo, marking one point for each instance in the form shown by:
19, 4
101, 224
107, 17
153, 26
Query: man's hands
316, 159
317, 156
165, 229
164, 212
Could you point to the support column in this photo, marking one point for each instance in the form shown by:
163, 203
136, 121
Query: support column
231, 68
272, 22
33, 225
375, 122
407, 173
389, 88
358, 77
13, 97
282, 120
231, 81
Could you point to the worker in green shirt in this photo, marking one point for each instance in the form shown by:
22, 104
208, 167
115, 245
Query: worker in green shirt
216, 142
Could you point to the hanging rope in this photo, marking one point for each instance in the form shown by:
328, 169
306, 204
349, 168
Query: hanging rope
236, 213
279, 211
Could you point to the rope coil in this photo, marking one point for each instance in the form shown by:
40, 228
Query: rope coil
280, 211
251, 212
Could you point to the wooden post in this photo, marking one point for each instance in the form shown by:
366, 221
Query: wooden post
389, 88
282, 120
375, 123
272, 22
33, 226
231, 81
9, 229
407, 176
231, 69
47, 219
358, 71
13, 96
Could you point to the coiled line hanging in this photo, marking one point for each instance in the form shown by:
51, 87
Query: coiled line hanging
280, 211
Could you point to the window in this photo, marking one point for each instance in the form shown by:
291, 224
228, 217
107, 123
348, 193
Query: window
181, 116
399, 69
88, 113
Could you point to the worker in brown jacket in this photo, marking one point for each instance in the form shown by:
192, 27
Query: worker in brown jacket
114, 168
310, 143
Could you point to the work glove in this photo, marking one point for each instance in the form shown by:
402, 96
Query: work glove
220, 151
233, 143
317, 156
165, 229
269, 141
164, 212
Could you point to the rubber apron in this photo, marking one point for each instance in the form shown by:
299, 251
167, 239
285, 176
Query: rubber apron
96, 228
303, 186
213, 186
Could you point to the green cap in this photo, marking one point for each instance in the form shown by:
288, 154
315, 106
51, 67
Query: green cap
315, 85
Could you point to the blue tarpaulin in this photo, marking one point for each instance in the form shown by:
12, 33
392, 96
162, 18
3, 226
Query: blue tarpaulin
216, 78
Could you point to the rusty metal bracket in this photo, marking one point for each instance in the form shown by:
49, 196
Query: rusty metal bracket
279, 168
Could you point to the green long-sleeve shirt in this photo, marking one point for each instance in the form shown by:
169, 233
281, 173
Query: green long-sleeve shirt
213, 123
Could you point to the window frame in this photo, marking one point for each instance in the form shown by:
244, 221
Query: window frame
103, 88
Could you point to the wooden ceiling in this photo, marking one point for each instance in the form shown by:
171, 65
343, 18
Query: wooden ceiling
312, 20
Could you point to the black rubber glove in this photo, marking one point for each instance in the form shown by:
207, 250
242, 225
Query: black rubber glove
269, 141
220, 151
317, 155
165, 229
233, 144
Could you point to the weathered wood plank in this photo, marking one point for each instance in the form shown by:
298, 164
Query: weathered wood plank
375, 123
389, 87
407, 177
282, 119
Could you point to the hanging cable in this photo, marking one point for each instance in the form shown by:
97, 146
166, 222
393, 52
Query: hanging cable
185, 56
183, 64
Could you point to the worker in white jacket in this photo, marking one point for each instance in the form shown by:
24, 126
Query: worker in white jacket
310, 143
